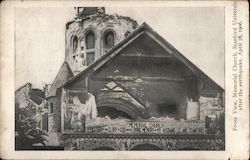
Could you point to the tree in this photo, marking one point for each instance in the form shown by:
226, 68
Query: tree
26, 131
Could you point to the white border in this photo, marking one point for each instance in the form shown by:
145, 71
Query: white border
237, 143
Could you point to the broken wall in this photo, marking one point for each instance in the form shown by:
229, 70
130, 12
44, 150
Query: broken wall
210, 106
77, 108
193, 109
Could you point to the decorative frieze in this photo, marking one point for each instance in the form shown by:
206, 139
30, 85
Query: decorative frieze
130, 142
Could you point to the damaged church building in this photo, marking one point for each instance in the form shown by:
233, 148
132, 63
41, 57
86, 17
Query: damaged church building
124, 87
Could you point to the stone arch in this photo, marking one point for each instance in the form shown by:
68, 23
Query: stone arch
83, 33
146, 146
122, 105
88, 46
112, 112
102, 39
88, 30
109, 39
82, 37
90, 39
73, 43
119, 105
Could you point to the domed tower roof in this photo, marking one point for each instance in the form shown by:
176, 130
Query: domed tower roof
92, 33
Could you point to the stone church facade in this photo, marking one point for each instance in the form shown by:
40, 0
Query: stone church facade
124, 87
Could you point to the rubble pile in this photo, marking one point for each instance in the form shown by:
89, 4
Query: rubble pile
210, 106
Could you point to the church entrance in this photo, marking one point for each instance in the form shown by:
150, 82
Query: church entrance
112, 113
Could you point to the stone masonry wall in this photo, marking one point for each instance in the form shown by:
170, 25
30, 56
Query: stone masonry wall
98, 24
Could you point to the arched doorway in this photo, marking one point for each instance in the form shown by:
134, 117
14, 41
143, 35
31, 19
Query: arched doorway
112, 112
146, 146
120, 106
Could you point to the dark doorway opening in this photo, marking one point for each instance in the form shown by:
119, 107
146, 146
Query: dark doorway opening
167, 109
112, 113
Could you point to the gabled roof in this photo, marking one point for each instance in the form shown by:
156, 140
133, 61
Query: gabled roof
143, 29
62, 76
37, 96
26, 85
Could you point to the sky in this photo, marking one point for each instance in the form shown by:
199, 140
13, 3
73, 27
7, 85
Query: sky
198, 33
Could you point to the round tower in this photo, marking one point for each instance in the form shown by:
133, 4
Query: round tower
92, 33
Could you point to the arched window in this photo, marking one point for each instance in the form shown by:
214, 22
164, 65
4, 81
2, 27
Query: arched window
90, 47
109, 40
90, 40
75, 43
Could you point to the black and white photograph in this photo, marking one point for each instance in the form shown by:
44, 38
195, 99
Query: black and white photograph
120, 79
124, 80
